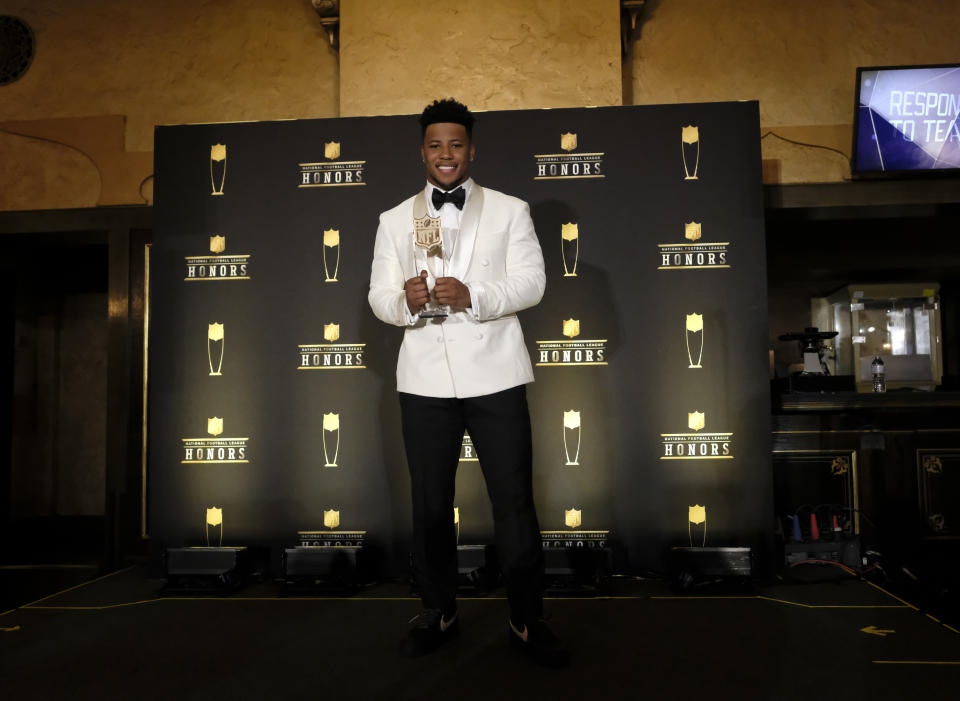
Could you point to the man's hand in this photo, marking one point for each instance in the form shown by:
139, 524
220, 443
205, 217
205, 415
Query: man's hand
416, 290
451, 291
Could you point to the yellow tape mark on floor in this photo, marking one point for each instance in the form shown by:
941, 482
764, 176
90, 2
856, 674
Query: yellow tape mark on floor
77, 586
892, 596
950, 662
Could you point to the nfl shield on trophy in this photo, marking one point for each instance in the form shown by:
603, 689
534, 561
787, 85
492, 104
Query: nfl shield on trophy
694, 335
570, 248
331, 251
215, 348
331, 438
218, 168
690, 148
571, 445
427, 251
697, 525
214, 527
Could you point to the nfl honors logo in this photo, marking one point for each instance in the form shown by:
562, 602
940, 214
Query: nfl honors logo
331, 172
467, 452
332, 355
695, 254
217, 266
214, 448
574, 536
572, 350
568, 165
331, 518
697, 444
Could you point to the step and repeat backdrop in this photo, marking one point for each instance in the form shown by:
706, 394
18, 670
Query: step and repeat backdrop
273, 405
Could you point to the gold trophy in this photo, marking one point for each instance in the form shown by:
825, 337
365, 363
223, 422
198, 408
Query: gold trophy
570, 245
690, 137
571, 422
218, 168
215, 523
697, 521
331, 240
331, 426
215, 345
428, 240
695, 331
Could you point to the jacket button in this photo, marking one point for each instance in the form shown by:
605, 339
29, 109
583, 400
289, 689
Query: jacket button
479, 336
484, 261
439, 339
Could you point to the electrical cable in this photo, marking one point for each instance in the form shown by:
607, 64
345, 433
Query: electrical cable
140, 189
61, 143
770, 132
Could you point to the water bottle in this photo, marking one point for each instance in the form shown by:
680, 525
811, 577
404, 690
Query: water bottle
879, 376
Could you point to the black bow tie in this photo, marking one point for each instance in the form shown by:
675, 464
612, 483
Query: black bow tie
457, 197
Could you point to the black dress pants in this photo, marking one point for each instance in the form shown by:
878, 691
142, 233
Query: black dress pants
499, 425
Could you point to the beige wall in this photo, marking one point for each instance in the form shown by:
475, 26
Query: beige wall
169, 62
106, 71
491, 54
798, 58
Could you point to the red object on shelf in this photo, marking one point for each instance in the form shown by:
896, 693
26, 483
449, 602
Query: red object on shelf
814, 528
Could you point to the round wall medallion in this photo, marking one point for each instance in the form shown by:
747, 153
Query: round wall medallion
17, 45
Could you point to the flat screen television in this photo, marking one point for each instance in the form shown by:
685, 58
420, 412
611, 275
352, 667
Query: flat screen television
907, 120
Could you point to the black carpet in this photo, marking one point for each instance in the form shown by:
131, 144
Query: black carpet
115, 638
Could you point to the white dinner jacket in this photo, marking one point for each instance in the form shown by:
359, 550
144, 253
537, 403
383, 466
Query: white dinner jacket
471, 352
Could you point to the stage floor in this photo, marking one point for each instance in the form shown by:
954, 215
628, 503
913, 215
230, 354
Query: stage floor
117, 638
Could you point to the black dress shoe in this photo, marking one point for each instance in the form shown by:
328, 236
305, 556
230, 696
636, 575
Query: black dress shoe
540, 644
430, 630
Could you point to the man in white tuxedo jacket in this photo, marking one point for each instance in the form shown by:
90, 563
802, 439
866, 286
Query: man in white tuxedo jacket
464, 371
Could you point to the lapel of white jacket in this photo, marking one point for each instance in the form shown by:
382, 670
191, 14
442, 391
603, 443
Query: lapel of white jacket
469, 226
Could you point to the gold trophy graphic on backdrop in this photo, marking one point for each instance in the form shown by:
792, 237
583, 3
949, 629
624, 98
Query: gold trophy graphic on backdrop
218, 168
694, 337
570, 248
215, 523
331, 240
697, 524
331, 518
215, 345
571, 424
331, 427
568, 141
572, 518
690, 148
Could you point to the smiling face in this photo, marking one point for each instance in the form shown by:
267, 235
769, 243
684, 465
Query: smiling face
447, 152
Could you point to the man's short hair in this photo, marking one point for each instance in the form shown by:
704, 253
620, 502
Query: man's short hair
447, 110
